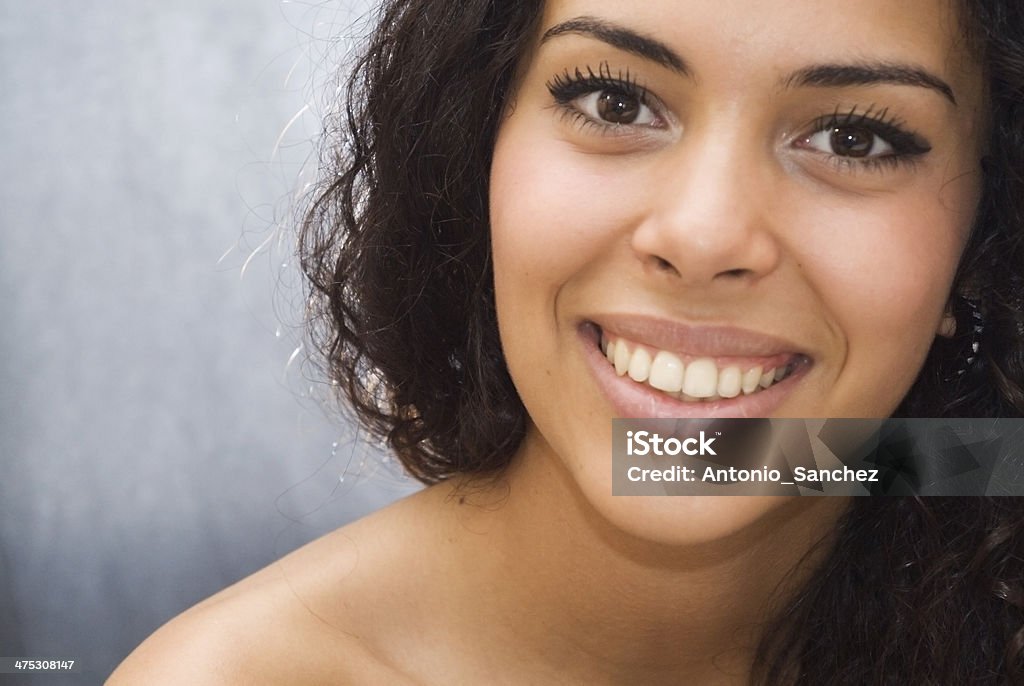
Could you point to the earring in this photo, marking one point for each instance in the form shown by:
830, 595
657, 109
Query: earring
969, 326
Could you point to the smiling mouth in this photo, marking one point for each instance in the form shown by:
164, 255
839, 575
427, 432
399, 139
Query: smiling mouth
697, 379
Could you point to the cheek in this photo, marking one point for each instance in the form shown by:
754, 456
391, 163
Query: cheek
552, 215
892, 260
883, 268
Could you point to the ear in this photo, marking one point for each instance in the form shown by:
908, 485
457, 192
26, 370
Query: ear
947, 327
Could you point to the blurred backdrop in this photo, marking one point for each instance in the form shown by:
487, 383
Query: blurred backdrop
160, 436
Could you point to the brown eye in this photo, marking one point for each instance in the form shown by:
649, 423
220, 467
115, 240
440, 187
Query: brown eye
617, 108
851, 141
848, 140
611, 107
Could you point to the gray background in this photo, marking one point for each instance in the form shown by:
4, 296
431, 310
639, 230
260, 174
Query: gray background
155, 443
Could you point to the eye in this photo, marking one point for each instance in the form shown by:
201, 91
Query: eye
870, 141
613, 106
606, 100
849, 141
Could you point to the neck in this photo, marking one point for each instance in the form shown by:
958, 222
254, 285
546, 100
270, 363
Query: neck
565, 587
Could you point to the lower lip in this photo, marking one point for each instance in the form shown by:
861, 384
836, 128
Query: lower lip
631, 399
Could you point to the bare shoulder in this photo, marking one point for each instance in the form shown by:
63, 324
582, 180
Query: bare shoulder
318, 615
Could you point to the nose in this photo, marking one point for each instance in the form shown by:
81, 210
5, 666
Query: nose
709, 219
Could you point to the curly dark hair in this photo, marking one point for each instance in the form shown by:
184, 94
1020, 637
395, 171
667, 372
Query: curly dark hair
992, 268
396, 247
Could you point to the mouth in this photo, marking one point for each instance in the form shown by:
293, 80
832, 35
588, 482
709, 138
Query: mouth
648, 368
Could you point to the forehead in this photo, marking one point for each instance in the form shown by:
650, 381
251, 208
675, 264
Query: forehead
734, 40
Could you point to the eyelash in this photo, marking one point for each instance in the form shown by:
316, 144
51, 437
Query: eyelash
567, 87
907, 146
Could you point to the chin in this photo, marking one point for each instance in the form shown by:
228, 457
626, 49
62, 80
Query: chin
677, 521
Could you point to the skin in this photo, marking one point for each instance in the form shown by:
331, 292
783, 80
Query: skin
723, 210
724, 216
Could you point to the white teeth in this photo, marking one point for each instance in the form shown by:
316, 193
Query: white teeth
698, 381
730, 382
640, 365
666, 373
621, 358
751, 380
701, 379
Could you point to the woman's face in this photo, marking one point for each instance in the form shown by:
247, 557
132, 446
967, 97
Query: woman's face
720, 189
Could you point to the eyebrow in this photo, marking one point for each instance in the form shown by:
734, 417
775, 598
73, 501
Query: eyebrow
838, 75
827, 75
622, 38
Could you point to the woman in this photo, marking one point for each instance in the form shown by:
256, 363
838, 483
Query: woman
806, 207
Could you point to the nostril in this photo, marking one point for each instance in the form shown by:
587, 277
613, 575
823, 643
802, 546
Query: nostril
664, 265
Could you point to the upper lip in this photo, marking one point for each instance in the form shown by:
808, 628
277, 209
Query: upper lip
689, 339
